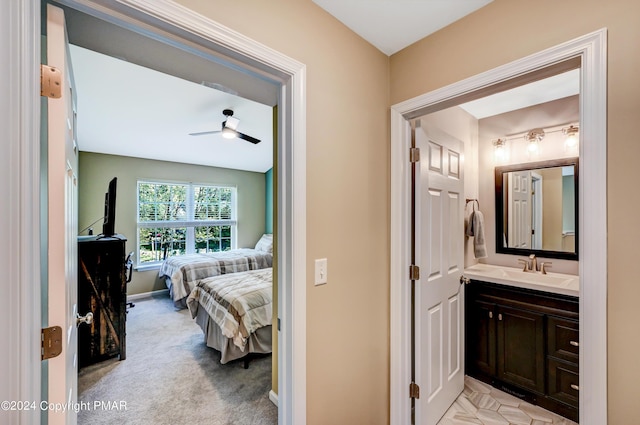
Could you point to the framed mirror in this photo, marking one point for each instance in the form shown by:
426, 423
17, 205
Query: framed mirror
537, 209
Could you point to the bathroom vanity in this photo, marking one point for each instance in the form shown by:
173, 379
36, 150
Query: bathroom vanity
522, 334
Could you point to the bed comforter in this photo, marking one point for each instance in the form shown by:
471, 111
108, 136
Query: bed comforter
239, 303
184, 271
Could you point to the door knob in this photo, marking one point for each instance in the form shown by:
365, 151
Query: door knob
88, 319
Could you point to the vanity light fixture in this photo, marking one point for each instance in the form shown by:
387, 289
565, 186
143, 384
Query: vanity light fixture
499, 148
572, 136
533, 138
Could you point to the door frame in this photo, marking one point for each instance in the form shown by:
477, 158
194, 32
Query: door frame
592, 49
536, 206
22, 107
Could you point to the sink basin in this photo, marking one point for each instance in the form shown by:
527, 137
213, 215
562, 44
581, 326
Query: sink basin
551, 282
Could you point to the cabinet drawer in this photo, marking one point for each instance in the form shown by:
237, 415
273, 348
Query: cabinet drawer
562, 338
563, 382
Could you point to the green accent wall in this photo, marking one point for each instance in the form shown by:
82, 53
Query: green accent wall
268, 207
96, 170
568, 204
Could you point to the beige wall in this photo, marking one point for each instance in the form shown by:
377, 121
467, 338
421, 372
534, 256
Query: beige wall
347, 201
96, 170
506, 30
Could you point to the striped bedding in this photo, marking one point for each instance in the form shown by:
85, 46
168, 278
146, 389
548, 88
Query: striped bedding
183, 272
239, 303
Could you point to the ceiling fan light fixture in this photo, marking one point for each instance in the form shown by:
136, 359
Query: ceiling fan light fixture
232, 123
228, 133
229, 129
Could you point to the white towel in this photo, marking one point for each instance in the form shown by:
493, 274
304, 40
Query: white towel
479, 247
469, 230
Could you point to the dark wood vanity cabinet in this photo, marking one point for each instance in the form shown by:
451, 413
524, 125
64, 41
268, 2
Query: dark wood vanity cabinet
524, 342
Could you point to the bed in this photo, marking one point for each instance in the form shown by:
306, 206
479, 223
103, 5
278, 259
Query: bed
181, 273
235, 311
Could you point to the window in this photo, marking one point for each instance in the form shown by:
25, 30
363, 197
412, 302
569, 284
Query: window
185, 218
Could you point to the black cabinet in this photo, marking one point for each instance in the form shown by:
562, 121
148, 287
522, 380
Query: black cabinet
520, 353
524, 342
481, 337
102, 290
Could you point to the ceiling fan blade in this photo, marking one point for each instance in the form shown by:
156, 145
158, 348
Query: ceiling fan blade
202, 133
248, 138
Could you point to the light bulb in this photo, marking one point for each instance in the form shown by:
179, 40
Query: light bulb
572, 137
499, 151
533, 146
228, 133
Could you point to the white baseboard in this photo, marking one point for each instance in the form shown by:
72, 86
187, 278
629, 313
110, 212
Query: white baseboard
273, 397
138, 297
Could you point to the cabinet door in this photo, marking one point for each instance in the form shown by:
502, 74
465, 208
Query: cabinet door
102, 291
520, 356
481, 338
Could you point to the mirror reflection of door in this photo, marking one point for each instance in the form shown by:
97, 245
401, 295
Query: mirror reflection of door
519, 211
536, 210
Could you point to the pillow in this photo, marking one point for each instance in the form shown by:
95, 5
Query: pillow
265, 243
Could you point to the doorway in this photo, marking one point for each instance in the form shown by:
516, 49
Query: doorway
590, 50
176, 23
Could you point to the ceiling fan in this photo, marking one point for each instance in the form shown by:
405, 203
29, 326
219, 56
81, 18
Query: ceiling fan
229, 129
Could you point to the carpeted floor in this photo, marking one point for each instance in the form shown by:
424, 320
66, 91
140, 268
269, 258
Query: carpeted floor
171, 377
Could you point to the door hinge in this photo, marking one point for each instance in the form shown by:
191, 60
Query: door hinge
414, 272
414, 390
414, 154
50, 342
50, 82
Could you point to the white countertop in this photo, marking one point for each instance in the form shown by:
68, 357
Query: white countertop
558, 283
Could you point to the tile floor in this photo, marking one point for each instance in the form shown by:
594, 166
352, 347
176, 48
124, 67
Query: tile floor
482, 404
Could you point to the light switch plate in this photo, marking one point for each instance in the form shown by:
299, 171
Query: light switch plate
321, 271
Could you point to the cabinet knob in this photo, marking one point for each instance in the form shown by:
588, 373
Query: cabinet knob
575, 387
491, 315
574, 343
499, 316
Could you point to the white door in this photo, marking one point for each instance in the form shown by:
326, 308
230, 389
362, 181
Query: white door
62, 223
536, 210
440, 256
519, 211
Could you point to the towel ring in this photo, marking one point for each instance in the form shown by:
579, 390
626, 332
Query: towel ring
475, 202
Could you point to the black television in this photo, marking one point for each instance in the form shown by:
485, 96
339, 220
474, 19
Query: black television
108, 226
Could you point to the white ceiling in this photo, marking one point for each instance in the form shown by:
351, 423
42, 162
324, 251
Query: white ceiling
126, 109
392, 25
556, 87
